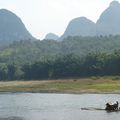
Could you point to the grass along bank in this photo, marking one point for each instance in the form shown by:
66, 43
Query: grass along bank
79, 85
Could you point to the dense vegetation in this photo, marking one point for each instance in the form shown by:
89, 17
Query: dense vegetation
72, 57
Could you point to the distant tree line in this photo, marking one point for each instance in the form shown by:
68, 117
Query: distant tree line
70, 65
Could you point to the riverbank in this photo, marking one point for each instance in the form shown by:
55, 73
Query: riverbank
79, 85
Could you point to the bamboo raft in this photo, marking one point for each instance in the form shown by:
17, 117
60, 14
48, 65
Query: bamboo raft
99, 109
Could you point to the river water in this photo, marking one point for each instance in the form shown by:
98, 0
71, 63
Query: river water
36, 106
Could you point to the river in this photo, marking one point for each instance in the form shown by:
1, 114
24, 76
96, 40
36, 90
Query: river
37, 106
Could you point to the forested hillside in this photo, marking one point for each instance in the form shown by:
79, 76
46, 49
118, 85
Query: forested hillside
23, 52
72, 57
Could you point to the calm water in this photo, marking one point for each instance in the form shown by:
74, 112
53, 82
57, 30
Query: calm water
35, 106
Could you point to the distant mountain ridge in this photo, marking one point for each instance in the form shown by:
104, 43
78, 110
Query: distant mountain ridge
109, 21
107, 24
52, 36
12, 28
80, 27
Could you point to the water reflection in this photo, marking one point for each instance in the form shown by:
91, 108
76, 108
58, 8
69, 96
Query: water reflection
12, 118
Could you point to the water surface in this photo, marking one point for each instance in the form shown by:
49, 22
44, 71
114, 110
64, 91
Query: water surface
36, 106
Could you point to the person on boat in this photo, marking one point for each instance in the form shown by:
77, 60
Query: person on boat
116, 105
110, 107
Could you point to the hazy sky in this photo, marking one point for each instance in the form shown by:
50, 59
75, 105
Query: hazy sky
43, 16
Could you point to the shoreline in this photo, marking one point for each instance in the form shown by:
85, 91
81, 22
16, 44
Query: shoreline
54, 92
98, 85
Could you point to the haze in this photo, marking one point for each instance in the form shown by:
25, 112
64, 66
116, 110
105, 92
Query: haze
44, 16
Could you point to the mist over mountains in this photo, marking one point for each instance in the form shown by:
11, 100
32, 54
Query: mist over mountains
107, 24
13, 29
